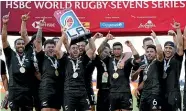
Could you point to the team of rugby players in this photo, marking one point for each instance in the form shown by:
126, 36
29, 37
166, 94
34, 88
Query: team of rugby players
44, 77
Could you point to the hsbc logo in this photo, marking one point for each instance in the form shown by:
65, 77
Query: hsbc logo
36, 25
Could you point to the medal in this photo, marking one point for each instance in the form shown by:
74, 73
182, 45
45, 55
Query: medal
21, 62
55, 65
75, 67
146, 70
166, 66
164, 75
22, 69
56, 72
75, 75
115, 75
145, 77
105, 77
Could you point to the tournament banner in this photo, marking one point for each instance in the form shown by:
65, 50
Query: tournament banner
120, 17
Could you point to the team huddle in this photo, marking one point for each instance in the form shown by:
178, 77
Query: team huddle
44, 77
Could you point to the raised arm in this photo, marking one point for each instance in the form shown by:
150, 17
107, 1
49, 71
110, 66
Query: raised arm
159, 50
134, 51
97, 35
91, 52
66, 43
24, 33
176, 25
59, 52
126, 56
184, 36
102, 46
38, 41
5, 20
173, 34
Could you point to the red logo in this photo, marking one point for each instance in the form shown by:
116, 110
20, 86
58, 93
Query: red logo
147, 25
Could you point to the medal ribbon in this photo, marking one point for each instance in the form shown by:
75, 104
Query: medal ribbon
166, 65
145, 59
53, 64
104, 66
74, 66
35, 61
21, 62
147, 68
114, 63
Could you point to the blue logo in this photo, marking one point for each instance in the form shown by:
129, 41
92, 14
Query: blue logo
112, 25
69, 20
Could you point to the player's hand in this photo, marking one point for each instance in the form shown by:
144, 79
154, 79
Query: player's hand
4, 102
171, 33
5, 18
98, 35
153, 34
121, 65
128, 43
93, 108
142, 67
136, 93
175, 24
109, 36
42, 23
25, 17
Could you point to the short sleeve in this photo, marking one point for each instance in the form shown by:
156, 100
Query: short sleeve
3, 67
8, 54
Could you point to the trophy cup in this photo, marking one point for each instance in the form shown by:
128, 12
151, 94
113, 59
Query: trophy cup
74, 29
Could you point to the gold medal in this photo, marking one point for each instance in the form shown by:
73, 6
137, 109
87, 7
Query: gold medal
115, 75
56, 72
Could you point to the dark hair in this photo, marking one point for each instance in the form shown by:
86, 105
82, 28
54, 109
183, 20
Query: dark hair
17, 40
146, 39
169, 43
73, 44
34, 37
117, 43
107, 45
152, 46
86, 42
49, 41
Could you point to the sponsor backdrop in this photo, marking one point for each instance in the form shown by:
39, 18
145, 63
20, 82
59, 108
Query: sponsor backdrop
120, 17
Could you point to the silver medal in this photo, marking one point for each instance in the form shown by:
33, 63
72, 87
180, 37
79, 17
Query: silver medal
22, 69
75, 75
